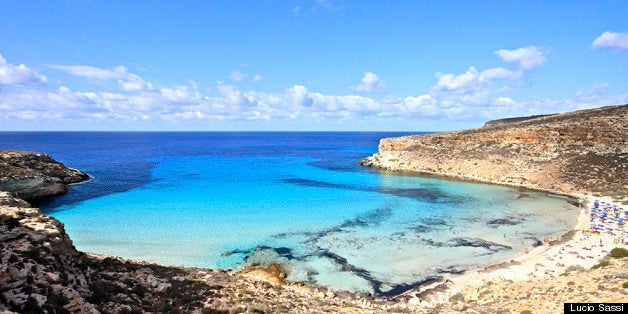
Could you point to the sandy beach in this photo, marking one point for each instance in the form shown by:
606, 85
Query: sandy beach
601, 226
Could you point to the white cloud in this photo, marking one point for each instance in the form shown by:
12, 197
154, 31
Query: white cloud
499, 74
127, 81
19, 74
611, 40
469, 96
257, 78
296, 102
134, 83
461, 84
237, 76
298, 95
527, 58
371, 83
93, 72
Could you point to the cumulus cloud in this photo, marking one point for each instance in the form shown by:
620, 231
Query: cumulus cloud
478, 94
371, 83
612, 41
472, 95
257, 78
19, 74
527, 58
133, 83
472, 81
296, 102
463, 83
298, 95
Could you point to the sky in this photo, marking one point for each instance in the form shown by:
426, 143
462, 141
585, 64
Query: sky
304, 65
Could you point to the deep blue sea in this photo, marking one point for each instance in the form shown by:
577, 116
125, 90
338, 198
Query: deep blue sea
228, 199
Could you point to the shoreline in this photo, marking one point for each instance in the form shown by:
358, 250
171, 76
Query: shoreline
520, 267
536, 263
454, 283
485, 273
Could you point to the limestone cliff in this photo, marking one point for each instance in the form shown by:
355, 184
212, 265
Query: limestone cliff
577, 152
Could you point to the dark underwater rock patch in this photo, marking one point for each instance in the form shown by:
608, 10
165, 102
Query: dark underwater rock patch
420, 229
434, 221
371, 218
469, 242
419, 194
451, 270
281, 251
511, 221
378, 285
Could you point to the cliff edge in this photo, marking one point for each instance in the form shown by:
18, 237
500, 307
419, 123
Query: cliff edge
35, 175
580, 152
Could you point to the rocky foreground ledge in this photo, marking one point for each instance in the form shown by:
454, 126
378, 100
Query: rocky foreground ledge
578, 152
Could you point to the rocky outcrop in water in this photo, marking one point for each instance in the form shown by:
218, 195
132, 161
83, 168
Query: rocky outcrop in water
35, 175
577, 152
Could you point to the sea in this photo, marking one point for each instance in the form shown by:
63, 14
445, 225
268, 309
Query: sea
300, 199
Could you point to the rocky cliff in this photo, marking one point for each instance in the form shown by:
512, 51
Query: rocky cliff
35, 175
577, 152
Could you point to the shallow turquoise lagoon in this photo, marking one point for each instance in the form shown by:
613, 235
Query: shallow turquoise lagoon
348, 230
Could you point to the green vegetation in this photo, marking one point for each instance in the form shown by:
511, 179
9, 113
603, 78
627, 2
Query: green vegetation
525, 312
601, 264
625, 285
619, 252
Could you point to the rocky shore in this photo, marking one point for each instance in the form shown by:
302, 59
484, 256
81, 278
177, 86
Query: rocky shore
581, 152
35, 175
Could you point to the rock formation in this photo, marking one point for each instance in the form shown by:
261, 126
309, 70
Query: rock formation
35, 175
577, 152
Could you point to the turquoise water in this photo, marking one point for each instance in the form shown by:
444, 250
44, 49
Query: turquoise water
338, 229
300, 199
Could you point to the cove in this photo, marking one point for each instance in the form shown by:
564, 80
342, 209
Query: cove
330, 225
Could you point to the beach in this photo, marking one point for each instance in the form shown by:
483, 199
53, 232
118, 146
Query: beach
555, 263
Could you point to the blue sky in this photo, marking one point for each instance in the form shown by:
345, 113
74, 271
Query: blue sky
305, 64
